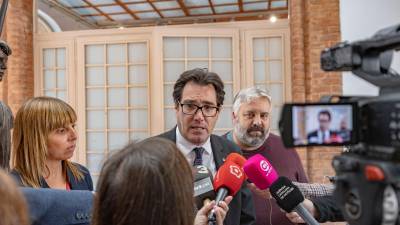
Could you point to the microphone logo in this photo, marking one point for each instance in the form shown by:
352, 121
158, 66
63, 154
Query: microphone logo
265, 166
202, 169
236, 171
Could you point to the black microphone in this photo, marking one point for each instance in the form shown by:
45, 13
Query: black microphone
289, 198
203, 186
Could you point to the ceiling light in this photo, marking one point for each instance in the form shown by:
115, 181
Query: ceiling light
273, 19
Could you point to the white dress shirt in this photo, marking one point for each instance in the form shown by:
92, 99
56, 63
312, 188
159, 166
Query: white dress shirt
187, 147
323, 138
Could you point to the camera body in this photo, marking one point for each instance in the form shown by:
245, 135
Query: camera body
367, 182
367, 190
368, 174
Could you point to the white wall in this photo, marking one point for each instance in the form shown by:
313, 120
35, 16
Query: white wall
360, 19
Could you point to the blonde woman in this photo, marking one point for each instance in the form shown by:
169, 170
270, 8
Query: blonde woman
44, 138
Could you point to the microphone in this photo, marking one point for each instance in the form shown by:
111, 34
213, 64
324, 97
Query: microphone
229, 177
236, 158
289, 198
287, 195
203, 185
228, 180
260, 171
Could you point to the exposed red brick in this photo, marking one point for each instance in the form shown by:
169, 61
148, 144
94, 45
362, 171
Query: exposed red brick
18, 84
314, 25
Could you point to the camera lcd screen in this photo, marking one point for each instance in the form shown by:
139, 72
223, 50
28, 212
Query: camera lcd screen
321, 124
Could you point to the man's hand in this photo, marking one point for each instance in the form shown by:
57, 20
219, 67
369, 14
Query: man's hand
220, 211
262, 193
295, 218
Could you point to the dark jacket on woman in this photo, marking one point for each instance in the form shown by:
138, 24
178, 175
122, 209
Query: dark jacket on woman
84, 184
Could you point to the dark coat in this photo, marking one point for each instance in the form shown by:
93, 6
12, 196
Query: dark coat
85, 184
58, 207
328, 209
334, 137
241, 209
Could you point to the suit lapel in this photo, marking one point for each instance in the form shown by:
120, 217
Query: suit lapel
73, 182
170, 135
219, 152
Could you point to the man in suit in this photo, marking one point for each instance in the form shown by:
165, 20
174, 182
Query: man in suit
324, 135
58, 207
198, 96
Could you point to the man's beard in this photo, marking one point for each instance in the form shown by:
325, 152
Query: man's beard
245, 137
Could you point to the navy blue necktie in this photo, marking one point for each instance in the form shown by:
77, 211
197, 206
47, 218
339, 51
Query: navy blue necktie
198, 160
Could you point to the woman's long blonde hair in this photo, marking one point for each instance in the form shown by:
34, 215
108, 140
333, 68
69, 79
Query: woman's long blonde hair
34, 121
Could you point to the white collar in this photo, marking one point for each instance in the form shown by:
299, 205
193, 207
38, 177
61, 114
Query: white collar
186, 147
327, 132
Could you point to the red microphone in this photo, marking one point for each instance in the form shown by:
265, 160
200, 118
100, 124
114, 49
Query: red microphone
236, 158
228, 180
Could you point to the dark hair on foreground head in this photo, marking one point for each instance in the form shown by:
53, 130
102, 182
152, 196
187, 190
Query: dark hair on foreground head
13, 207
146, 183
200, 77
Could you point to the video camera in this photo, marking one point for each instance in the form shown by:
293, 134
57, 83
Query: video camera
367, 174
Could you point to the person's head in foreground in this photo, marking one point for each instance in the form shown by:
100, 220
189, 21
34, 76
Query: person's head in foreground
148, 183
13, 208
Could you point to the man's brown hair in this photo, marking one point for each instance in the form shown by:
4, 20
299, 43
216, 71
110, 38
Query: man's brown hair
200, 77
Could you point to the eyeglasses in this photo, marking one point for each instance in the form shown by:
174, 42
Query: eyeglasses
206, 110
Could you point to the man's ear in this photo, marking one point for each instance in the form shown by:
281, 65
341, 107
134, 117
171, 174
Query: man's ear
176, 111
234, 117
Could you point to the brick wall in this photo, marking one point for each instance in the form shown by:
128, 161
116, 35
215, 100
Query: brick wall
314, 25
18, 84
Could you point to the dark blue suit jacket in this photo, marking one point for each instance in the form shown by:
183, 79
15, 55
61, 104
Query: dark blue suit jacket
85, 184
241, 209
58, 207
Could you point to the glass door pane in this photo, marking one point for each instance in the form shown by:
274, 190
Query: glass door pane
116, 94
189, 52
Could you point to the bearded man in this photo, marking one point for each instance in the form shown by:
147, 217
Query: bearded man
251, 119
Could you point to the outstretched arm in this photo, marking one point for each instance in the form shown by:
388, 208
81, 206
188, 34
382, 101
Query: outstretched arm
47, 206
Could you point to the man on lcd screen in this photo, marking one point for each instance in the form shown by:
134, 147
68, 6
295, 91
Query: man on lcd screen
324, 135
